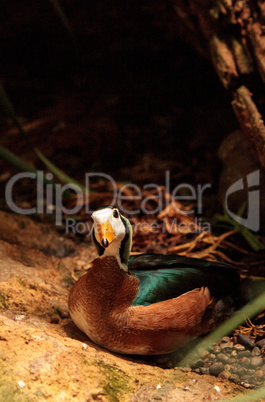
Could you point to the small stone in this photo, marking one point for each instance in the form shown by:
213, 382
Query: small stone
234, 353
203, 353
222, 357
263, 368
256, 351
55, 319
245, 378
256, 361
261, 343
225, 339
228, 367
63, 313
245, 341
196, 364
245, 361
224, 375
259, 373
19, 317
245, 384
216, 368
234, 378
227, 345
239, 371
216, 349
239, 347
204, 370
211, 357
244, 353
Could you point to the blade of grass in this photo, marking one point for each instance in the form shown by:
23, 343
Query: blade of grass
238, 318
19, 163
8, 106
59, 173
248, 396
15, 161
65, 22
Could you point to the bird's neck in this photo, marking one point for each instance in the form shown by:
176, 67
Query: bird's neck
107, 276
113, 250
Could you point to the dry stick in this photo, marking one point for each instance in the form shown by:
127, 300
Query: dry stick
250, 120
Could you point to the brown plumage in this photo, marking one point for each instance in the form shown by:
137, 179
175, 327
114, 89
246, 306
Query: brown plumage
100, 304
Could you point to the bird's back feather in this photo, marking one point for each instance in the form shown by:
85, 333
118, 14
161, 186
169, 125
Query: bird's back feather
163, 277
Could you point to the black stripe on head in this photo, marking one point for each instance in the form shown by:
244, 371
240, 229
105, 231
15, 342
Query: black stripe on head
124, 240
97, 244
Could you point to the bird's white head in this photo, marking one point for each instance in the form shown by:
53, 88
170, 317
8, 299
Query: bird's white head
112, 234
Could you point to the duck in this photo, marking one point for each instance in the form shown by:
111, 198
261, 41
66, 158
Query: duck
147, 304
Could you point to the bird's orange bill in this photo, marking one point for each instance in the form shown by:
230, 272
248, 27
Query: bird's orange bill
105, 231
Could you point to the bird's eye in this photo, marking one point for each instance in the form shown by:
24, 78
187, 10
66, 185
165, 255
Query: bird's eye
115, 213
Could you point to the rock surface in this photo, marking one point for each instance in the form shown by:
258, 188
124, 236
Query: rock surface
43, 356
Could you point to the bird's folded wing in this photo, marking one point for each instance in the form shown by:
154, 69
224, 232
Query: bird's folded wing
181, 314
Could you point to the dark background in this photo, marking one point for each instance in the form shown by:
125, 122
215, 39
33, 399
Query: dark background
133, 94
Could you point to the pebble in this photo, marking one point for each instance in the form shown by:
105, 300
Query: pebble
245, 378
227, 345
225, 375
211, 357
245, 384
216, 349
244, 353
239, 347
256, 351
225, 339
63, 313
222, 358
261, 343
55, 319
234, 377
242, 363
245, 361
216, 368
204, 370
245, 341
259, 373
203, 353
239, 371
196, 364
256, 361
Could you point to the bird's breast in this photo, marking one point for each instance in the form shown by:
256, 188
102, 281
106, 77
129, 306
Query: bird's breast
99, 300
